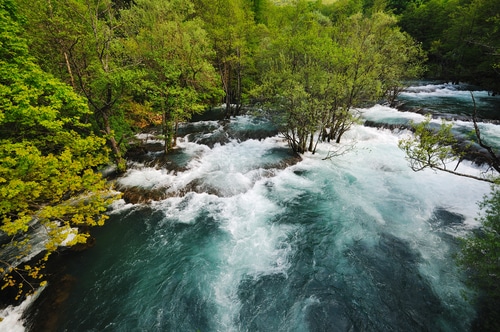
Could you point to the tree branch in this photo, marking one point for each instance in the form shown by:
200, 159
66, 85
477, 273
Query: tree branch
495, 161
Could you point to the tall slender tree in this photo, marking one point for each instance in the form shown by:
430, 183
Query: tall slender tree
315, 72
81, 35
230, 25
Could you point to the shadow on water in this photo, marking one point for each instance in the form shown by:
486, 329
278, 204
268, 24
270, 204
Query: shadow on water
391, 269
446, 223
340, 284
148, 279
369, 289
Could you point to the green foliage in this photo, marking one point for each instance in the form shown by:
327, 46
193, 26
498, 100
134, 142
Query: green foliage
480, 257
430, 148
84, 49
471, 43
258, 8
462, 38
233, 34
316, 72
47, 158
175, 52
435, 148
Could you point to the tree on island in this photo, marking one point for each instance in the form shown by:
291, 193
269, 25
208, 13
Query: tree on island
316, 70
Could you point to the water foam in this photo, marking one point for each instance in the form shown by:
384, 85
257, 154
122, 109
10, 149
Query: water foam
255, 247
445, 90
361, 196
225, 170
11, 318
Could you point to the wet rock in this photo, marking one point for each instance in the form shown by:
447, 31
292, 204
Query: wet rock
144, 152
210, 140
48, 307
394, 126
138, 195
83, 246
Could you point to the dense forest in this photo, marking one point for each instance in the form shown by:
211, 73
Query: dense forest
80, 77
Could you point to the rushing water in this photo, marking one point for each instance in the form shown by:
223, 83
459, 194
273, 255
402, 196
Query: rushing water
355, 243
451, 99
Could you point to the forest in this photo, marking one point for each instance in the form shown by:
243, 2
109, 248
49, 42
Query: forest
79, 78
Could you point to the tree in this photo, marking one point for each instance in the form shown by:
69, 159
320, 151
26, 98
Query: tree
429, 148
49, 189
471, 43
230, 26
375, 58
438, 148
316, 73
480, 256
295, 81
174, 53
258, 9
82, 35
461, 38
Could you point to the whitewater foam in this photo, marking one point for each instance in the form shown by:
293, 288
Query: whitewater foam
11, 317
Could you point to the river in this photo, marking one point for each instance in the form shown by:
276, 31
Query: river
256, 242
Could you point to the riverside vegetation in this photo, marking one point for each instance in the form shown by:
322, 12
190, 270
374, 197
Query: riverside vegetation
79, 78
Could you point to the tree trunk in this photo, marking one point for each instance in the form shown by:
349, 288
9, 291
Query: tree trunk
167, 126
238, 86
227, 70
311, 142
69, 70
120, 162
174, 143
167, 130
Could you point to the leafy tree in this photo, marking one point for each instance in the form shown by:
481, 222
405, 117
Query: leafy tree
377, 58
82, 36
230, 26
340, 9
426, 20
316, 73
471, 43
174, 53
258, 8
48, 186
429, 148
294, 81
461, 37
435, 148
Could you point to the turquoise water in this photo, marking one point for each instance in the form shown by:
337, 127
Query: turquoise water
255, 242
452, 99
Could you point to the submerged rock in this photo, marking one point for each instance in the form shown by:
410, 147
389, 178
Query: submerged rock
390, 126
48, 308
138, 195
